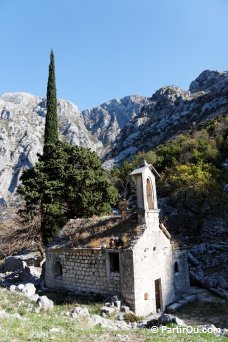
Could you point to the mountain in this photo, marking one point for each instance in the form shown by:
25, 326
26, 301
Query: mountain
171, 111
107, 120
116, 129
22, 118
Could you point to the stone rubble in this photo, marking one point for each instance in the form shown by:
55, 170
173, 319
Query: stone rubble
174, 307
206, 256
29, 291
21, 269
82, 314
116, 308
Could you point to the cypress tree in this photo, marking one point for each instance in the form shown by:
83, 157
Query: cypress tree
50, 140
51, 125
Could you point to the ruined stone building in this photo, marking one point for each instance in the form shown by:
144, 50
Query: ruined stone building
135, 258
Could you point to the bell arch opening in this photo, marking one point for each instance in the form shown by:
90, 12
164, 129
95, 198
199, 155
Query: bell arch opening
149, 194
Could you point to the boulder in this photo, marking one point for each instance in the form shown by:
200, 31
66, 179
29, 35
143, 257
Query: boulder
122, 325
103, 322
117, 304
210, 328
20, 287
14, 264
164, 319
190, 298
31, 274
108, 310
192, 260
29, 290
167, 319
124, 308
45, 303
174, 307
114, 298
34, 298
80, 312
13, 288
17, 263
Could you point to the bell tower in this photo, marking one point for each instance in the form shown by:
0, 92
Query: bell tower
147, 204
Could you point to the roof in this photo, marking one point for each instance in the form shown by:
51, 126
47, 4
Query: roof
99, 232
144, 168
105, 232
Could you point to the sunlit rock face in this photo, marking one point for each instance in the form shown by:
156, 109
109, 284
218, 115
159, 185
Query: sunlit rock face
22, 118
107, 120
171, 111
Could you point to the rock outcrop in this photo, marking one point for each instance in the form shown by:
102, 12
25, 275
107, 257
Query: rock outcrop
22, 118
171, 111
107, 120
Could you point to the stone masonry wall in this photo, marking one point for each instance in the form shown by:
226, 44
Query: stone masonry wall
181, 277
83, 270
127, 277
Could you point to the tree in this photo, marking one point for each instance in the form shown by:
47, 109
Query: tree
70, 184
67, 182
195, 188
51, 124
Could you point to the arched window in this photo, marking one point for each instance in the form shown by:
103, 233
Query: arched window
149, 193
57, 268
176, 267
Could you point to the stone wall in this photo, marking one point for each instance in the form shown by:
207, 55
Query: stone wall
88, 270
181, 274
127, 278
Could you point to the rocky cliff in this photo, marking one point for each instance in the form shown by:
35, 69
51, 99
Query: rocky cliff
22, 118
107, 120
170, 111
116, 129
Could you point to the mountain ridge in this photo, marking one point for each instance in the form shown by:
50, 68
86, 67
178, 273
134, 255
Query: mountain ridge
170, 111
115, 130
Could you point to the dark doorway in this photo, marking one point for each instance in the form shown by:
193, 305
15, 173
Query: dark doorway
158, 295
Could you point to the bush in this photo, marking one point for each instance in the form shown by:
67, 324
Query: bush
131, 317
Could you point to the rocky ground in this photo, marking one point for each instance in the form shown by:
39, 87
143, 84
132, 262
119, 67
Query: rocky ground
21, 281
207, 309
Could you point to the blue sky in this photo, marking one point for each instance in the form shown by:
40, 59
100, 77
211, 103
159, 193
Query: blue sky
108, 49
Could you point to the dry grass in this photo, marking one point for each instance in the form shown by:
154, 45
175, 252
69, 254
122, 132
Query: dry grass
98, 231
14, 236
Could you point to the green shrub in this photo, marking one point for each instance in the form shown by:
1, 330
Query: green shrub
131, 317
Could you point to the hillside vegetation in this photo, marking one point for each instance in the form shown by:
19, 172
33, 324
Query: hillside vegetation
192, 172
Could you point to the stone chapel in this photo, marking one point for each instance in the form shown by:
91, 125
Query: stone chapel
135, 258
